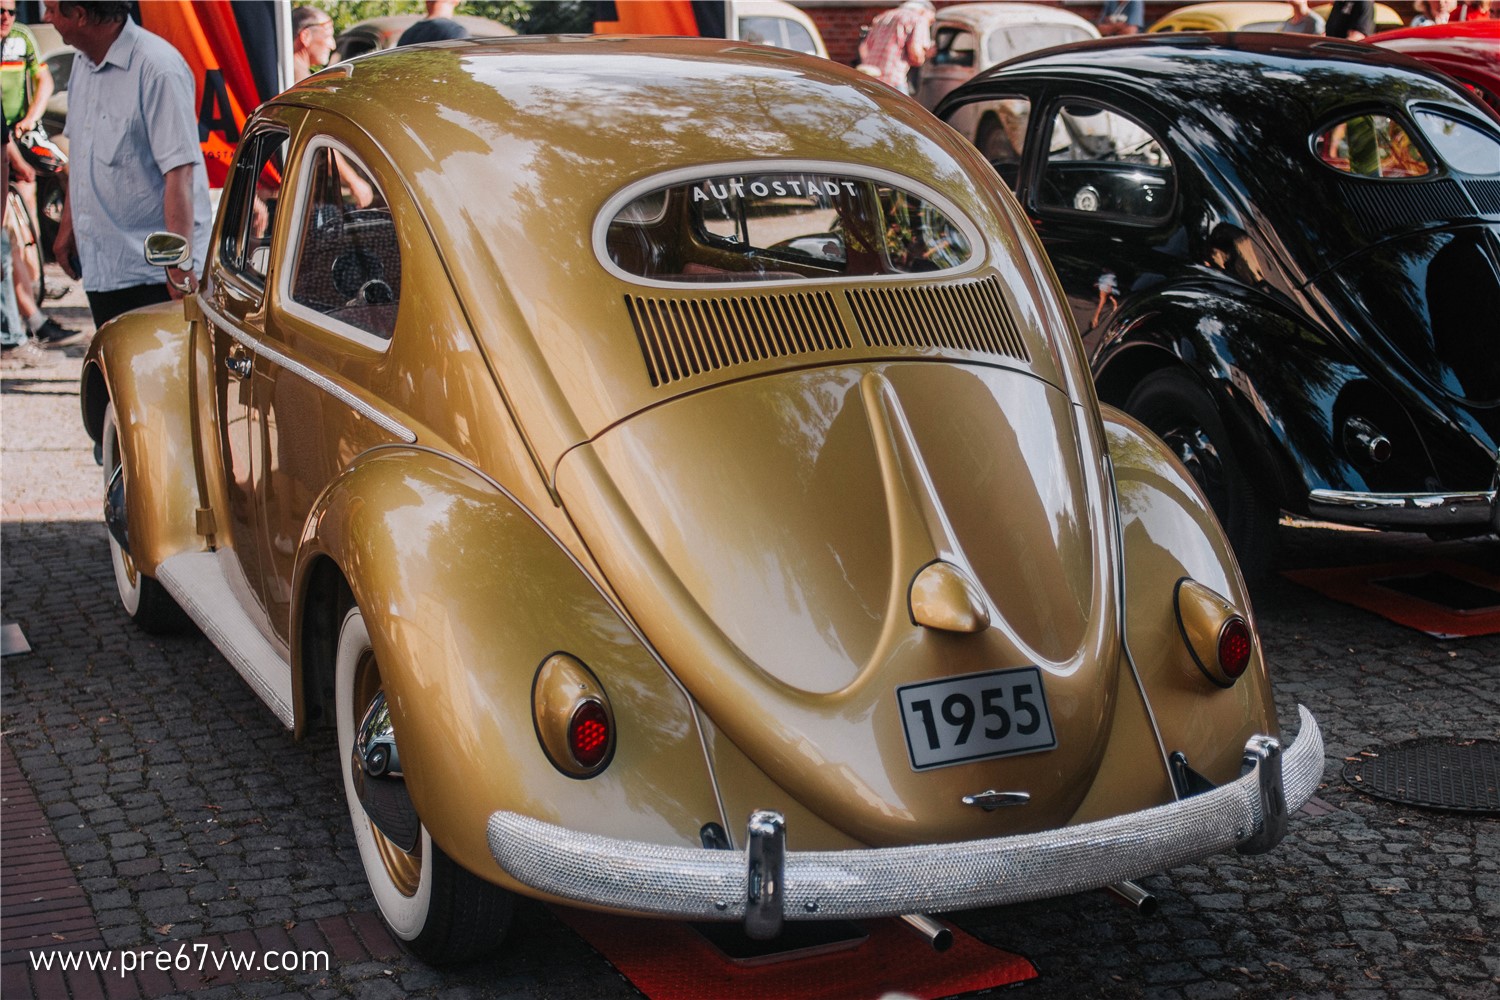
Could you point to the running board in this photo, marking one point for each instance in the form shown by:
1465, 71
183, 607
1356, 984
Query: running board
196, 582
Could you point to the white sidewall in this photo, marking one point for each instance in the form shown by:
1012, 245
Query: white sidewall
406, 915
129, 589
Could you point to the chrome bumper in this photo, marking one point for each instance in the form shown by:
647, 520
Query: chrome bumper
1415, 511
765, 884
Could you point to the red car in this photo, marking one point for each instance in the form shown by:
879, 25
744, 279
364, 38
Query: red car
1468, 51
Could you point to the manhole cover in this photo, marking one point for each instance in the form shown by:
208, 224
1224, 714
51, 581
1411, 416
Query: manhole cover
1436, 773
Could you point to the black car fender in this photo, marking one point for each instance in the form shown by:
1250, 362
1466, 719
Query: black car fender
1275, 379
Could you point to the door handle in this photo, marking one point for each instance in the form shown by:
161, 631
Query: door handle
239, 365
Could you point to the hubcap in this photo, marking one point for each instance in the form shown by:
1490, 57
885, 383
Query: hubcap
404, 868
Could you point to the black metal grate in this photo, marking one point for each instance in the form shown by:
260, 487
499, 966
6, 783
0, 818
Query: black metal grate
681, 338
1380, 207
1446, 773
1486, 195
964, 316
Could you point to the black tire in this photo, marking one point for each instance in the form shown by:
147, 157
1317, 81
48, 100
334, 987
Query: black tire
442, 913
1182, 413
145, 600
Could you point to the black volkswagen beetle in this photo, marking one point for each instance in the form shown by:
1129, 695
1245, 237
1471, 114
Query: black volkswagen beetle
1283, 255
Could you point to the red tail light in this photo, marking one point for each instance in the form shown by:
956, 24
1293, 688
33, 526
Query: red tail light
1234, 647
588, 734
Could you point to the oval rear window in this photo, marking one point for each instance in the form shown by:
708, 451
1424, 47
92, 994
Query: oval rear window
1370, 146
791, 225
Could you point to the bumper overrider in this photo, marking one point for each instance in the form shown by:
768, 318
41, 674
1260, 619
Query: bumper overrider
765, 884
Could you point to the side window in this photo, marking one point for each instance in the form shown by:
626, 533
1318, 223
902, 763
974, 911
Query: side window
1464, 146
953, 47
1370, 145
348, 258
1105, 163
254, 197
997, 128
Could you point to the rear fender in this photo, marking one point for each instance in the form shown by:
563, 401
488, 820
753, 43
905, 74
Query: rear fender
466, 595
139, 362
1273, 378
1170, 533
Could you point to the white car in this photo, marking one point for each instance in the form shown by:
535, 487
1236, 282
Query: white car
971, 37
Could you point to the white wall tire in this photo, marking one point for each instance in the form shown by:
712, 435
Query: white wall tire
145, 600
441, 912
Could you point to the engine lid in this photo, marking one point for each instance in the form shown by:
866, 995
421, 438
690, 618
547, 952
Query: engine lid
776, 541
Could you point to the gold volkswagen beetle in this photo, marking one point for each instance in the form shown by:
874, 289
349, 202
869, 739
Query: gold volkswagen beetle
670, 466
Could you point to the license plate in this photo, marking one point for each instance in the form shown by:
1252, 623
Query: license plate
960, 719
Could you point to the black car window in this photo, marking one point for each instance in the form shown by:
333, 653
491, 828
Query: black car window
954, 47
997, 128
348, 258
1463, 146
1370, 145
781, 226
1105, 163
251, 202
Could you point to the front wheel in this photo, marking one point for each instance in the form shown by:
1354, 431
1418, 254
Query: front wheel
1180, 412
145, 600
442, 912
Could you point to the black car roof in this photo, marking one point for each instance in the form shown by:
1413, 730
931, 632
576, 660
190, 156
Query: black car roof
1301, 78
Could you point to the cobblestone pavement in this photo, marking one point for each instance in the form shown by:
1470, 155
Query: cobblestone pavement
186, 814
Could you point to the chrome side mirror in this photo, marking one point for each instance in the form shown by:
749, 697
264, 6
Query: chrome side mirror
171, 250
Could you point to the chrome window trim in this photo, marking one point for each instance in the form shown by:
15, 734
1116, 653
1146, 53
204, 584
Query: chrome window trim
332, 388
290, 306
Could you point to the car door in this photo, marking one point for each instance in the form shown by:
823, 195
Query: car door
236, 302
326, 351
1103, 191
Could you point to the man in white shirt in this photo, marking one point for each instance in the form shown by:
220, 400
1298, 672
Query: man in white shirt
135, 163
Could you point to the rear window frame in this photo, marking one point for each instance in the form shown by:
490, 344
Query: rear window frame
683, 175
1400, 114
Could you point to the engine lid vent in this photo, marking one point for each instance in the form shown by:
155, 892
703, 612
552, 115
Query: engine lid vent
681, 338
963, 316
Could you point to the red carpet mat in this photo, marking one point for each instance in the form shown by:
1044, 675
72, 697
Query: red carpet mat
673, 961
1445, 599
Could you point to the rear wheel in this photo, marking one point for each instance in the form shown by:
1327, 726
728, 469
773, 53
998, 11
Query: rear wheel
442, 912
145, 600
1180, 412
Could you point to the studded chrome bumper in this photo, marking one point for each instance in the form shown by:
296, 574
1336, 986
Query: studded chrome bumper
766, 884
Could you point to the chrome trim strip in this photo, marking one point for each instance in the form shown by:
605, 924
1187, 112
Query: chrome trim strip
698, 884
1406, 510
364, 409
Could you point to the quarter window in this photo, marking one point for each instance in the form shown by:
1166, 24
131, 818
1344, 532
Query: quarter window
1462, 145
777, 226
253, 199
1370, 145
348, 259
1105, 163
